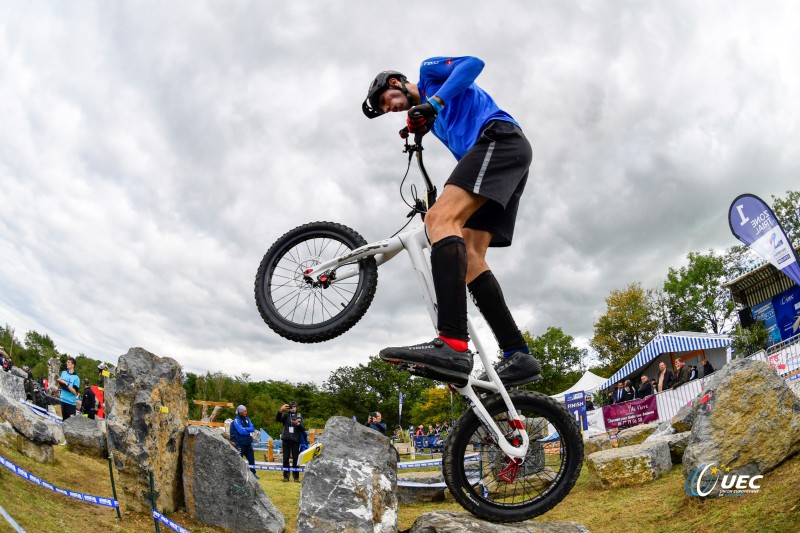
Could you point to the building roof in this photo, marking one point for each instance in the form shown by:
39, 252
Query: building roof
761, 283
681, 341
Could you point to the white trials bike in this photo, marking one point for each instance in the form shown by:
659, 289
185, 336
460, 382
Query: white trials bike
319, 279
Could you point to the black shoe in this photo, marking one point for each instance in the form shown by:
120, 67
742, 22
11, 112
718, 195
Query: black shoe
433, 360
286, 480
517, 369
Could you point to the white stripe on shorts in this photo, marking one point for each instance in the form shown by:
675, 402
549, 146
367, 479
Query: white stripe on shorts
483, 168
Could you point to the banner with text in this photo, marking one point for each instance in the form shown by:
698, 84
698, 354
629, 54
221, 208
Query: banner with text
754, 223
576, 405
631, 413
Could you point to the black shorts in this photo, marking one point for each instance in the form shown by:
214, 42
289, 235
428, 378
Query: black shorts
496, 167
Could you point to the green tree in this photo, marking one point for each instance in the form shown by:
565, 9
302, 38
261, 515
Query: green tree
751, 339
787, 211
696, 295
628, 324
562, 361
434, 406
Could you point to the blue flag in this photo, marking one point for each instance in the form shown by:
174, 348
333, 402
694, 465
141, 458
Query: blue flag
754, 223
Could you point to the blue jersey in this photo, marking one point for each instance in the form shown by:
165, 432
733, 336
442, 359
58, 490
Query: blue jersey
75, 382
467, 107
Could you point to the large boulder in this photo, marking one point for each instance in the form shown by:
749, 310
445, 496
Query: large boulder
415, 487
146, 413
461, 522
8, 435
12, 386
597, 443
636, 434
33, 427
86, 436
684, 418
747, 419
42, 453
219, 487
352, 485
677, 443
629, 465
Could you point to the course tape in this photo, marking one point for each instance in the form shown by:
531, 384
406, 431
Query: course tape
408, 464
44, 413
10, 520
174, 526
88, 498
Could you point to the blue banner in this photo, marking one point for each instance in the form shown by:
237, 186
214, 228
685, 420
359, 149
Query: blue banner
787, 312
576, 405
754, 223
174, 526
765, 312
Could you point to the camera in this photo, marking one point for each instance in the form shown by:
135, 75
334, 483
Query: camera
373, 415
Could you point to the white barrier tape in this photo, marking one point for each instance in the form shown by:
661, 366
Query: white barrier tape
43, 412
88, 498
10, 520
174, 526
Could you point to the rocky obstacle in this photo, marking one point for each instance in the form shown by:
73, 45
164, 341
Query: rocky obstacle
352, 485
636, 434
629, 465
220, 490
146, 414
677, 443
28, 433
747, 419
86, 436
12, 386
413, 487
461, 522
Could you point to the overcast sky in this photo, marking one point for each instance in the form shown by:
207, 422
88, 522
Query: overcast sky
150, 153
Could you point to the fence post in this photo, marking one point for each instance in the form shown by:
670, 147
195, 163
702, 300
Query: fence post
153, 500
113, 487
271, 450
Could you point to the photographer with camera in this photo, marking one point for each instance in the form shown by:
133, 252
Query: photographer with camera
69, 383
290, 438
374, 422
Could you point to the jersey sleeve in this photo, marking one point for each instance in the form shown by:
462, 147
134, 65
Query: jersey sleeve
454, 73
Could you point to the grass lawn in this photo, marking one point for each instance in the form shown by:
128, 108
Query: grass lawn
660, 506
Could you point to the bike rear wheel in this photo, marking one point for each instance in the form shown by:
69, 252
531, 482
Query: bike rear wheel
549, 472
306, 312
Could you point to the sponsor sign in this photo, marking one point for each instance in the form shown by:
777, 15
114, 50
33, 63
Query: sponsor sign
576, 405
705, 479
631, 413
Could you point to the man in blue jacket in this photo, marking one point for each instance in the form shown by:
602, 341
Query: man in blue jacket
477, 209
241, 428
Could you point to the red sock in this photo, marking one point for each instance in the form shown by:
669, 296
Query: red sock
456, 344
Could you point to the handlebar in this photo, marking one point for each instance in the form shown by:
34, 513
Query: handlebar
430, 189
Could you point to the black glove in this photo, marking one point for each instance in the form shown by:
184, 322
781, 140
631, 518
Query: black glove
421, 118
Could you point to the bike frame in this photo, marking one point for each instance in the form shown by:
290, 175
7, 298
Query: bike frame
415, 243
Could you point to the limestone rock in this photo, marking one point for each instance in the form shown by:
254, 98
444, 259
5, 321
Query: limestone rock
352, 485
629, 465
146, 413
8, 436
421, 487
53, 371
684, 418
677, 443
86, 436
12, 386
462, 522
35, 428
747, 418
219, 487
795, 387
596, 443
42, 453
636, 434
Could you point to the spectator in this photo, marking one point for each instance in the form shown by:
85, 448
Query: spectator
290, 438
242, 430
438, 429
629, 392
374, 422
430, 431
619, 394
665, 377
420, 432
70, 384
645, 388
27, 370
693, 372
589, 403
707, 368
445, 429
683, 374
88, 402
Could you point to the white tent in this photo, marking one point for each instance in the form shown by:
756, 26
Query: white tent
588, 383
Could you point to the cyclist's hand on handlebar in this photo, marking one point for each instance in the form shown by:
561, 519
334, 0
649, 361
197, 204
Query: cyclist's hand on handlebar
421, 118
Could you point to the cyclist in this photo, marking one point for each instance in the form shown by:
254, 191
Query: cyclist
477, 209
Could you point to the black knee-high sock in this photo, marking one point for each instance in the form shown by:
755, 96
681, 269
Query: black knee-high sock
488, 297
449, 269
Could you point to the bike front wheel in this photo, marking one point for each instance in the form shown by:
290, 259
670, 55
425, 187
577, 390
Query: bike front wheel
306, 312
477, 471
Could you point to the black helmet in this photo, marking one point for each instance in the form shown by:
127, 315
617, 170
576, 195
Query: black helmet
376, 89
